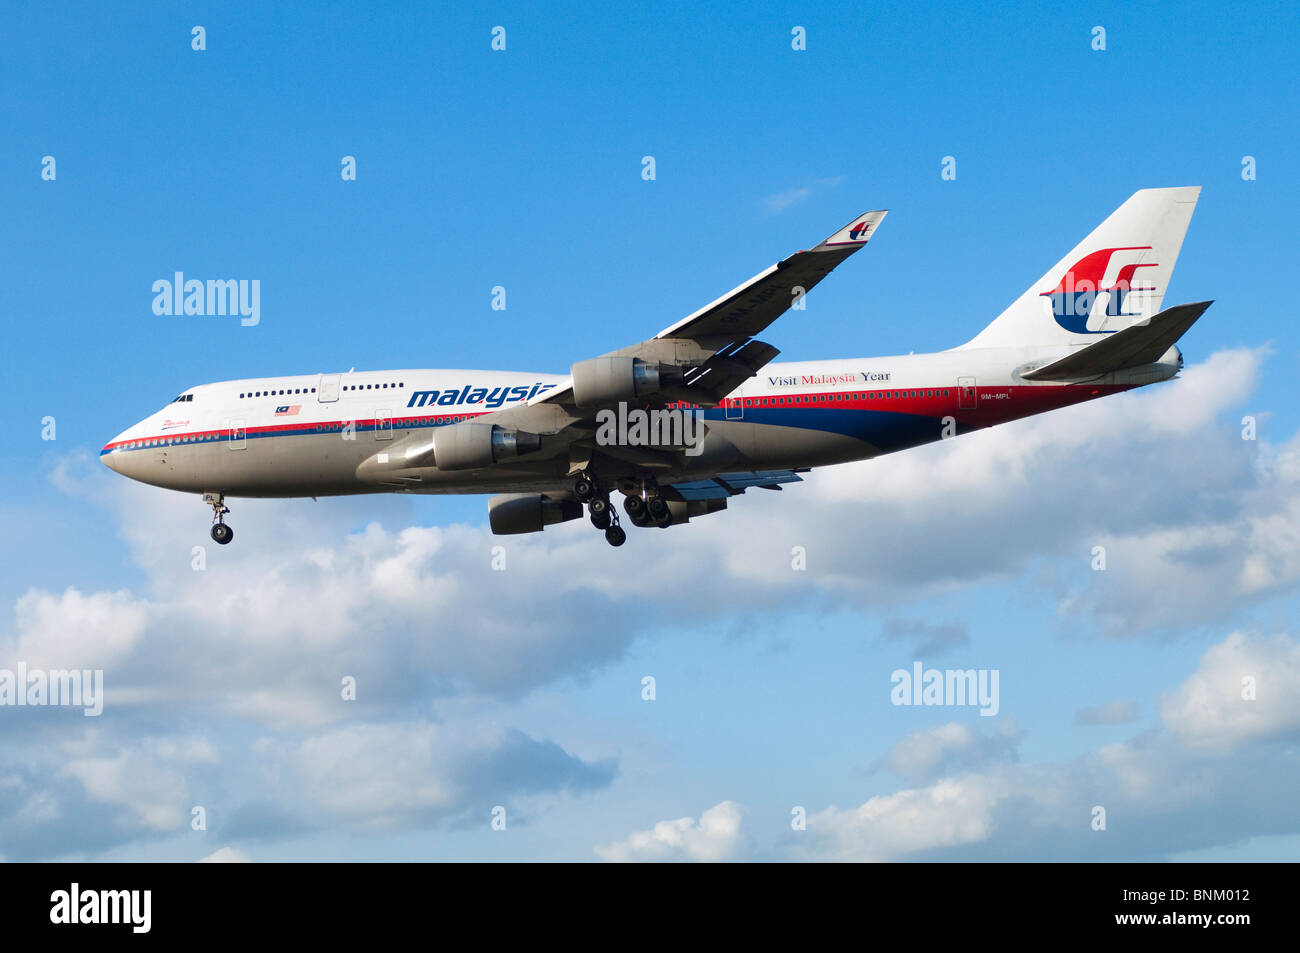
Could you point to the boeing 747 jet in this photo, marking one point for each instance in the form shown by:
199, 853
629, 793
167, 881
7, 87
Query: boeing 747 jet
680, 423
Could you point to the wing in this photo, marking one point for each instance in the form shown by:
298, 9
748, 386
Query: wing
697, 361
746, 311
713, 351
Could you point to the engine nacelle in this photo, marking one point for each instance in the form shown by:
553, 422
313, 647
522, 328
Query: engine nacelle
467, 445
601, 381
512, 513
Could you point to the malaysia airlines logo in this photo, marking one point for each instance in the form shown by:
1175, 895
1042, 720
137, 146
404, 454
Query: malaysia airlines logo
859, 230
1076, 293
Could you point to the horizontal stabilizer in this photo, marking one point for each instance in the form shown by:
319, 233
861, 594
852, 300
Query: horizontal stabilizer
1132, 347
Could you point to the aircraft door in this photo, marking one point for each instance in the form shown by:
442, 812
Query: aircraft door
967, 395
383, 424
328, 390
238, 433
736, 404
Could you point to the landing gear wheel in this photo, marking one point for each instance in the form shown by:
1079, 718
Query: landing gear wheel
657, 507
634, 507
598, 505
220, 531
583, 489
615, 535
600, 519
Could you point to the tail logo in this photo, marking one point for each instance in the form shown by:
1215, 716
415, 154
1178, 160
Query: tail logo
1073, 298
859, 229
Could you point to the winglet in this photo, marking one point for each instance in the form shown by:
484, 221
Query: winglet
857, 232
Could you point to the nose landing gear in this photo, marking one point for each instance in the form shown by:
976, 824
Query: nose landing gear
221, 533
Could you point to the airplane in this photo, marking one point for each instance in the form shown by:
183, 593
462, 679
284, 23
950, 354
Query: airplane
716, 416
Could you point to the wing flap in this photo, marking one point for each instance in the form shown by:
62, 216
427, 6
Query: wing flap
731, 484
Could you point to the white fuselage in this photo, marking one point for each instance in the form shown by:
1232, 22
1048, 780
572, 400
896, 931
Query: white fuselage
307, 435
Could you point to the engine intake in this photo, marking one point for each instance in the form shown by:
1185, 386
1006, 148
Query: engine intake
467, 445
512, 513
601, 381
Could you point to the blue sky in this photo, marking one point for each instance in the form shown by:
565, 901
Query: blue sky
522, 169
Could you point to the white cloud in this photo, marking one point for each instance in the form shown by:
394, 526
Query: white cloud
945, 749
788, 199
226, 855
150, 792
951, 812
75, 631
780, 201
1216, 708
1194, 782
715, 836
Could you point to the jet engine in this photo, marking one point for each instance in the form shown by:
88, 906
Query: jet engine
512, 513
468, 444
601, 381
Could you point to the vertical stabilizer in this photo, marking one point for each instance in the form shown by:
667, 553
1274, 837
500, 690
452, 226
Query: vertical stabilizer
1113, 279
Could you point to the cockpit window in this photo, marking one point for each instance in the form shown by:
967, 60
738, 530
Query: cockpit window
183, 398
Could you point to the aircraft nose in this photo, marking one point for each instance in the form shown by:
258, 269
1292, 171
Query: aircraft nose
109, 458
111, 455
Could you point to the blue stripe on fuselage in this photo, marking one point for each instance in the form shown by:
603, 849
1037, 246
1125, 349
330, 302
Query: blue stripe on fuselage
887, 430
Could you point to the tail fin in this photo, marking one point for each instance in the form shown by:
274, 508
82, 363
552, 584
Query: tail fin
1113, 279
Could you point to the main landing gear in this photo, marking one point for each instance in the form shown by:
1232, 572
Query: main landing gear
602, 514
642, 502
221, 533
652, 508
